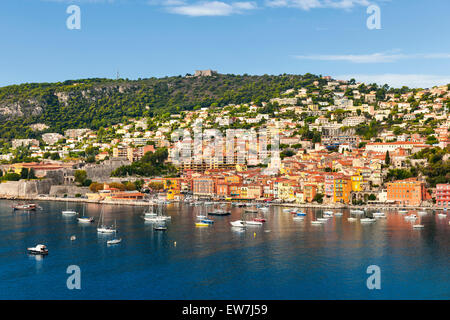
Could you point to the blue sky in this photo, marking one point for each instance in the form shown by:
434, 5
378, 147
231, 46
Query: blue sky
155, 38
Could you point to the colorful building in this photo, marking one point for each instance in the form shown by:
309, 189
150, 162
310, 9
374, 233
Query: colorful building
342, 190
408, 192
203, 186
443, 195
309, 192
357, 181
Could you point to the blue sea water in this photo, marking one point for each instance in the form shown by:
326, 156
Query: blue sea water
284, 259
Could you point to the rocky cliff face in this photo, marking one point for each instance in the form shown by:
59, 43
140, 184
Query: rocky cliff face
10, 110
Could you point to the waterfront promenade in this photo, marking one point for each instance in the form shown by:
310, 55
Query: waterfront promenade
296, 205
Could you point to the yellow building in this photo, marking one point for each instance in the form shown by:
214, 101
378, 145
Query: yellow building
286, 191
357, 181
173, 187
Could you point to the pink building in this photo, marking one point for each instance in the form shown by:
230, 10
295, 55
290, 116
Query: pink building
443, 195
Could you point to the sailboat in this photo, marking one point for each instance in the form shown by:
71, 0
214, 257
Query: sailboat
102, 228
150, 212
201, 215
85, 219
351, 219
418, 225
367, 219
68, 212
158, 217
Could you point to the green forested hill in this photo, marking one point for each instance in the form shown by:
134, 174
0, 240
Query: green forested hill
95, 103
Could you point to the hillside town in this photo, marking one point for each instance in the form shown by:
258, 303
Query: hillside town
334, 143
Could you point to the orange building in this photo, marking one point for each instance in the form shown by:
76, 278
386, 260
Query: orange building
203, 186
342, 189
309, 192
408, 192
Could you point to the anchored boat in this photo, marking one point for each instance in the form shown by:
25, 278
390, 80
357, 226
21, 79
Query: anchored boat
26, 207
238, 223
114, 241
102, 228
40, 249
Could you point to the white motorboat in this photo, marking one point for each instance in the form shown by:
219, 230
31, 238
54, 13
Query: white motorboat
328, 213
351, 219
442, 215
338, 214
238, 223
114, 241
322, 219
356, 211
411, 217
403, 211
422, 213
418, 226
367, 220
298, 218
40, 249
316, 222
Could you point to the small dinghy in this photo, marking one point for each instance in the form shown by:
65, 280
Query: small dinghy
114, 241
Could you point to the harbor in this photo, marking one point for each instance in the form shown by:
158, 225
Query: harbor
284, 254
